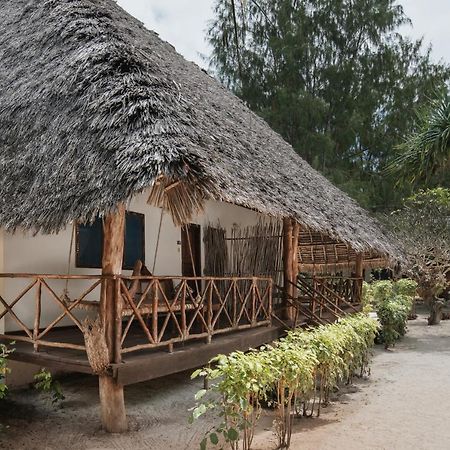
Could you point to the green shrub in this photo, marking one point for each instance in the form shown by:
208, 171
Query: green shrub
406, 287
44, 382
286, 373
239, 383
294, 368
393, 301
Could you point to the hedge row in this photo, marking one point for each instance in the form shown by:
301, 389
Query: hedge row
293, 375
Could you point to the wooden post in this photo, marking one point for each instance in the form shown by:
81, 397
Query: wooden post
295, 237
37, 314
288, 257
359, 274
112, 402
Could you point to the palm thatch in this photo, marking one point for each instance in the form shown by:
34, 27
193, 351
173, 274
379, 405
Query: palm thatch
94, 108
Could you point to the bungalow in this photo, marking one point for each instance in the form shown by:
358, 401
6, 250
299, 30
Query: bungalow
149, 220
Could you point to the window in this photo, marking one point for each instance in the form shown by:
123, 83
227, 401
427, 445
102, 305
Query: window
89, 247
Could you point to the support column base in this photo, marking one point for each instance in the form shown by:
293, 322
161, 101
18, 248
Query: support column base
112, 405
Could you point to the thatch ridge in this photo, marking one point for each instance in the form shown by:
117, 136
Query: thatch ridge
94, 107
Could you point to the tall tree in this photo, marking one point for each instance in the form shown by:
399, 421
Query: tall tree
334, 77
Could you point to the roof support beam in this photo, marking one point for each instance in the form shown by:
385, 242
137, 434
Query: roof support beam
112, 400
289, 259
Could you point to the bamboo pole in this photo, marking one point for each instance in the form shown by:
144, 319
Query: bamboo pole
112, 400
295, 237
288, 256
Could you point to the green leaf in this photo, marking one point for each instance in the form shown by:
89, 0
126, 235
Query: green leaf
233, 434
214, 438
200, 394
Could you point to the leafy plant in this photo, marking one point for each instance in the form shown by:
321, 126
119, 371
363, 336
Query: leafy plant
426, 151
285, 375
294, 368
393, 301
44, 382
4, 369
240, 382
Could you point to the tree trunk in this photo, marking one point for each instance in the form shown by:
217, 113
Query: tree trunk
112, 401
435, 312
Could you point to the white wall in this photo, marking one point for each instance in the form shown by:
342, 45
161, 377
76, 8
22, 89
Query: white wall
26, 253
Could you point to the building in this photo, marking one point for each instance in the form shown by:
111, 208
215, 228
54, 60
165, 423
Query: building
102, 127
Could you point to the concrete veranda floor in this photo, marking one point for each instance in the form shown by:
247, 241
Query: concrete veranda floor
405, 404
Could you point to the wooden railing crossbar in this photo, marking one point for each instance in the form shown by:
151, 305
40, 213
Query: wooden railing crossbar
323, 301
299, 308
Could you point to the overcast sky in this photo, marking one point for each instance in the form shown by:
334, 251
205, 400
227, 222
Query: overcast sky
183, 23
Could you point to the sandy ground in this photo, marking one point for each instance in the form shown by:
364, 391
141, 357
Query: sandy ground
404, 404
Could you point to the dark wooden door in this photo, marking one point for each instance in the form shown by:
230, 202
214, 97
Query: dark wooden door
191, 253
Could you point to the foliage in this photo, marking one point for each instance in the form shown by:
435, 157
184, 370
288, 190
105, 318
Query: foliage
423, 227
392, 301
285, 374
294, 368
242, 382
426, 152
393, 315
4, 370
335, 78
44, 382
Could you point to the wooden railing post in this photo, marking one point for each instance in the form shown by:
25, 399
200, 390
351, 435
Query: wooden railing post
359, 271
183, 310
253, 316
235, 309
270, 301
155, 303
37, 314
209, 311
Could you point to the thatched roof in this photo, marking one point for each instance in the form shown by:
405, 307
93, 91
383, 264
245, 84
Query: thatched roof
94, 107
317, 252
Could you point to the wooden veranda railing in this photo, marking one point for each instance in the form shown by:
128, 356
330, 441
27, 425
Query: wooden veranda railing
346, 290
150, 311
318, 300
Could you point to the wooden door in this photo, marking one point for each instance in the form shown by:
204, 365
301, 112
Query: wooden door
191, 253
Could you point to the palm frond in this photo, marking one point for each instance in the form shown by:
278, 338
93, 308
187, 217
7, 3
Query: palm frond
426, 151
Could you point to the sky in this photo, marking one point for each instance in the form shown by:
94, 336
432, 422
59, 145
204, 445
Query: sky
183, 23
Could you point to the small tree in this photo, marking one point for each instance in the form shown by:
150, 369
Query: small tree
423, 225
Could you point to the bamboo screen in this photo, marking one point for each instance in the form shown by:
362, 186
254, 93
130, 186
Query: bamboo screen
255, 250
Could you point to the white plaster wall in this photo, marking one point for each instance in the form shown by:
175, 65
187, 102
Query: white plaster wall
28, 253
